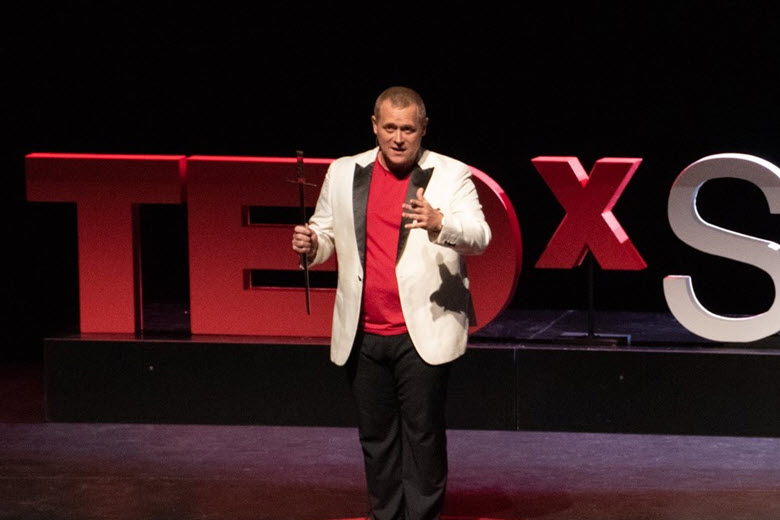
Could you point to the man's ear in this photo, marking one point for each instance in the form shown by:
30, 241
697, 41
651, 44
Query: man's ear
373, 124
425, 126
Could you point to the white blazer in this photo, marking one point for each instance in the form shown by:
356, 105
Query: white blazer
430, 268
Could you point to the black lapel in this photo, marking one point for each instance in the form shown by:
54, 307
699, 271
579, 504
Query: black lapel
419, 178
360, 184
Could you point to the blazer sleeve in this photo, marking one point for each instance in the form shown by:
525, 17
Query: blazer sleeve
321, 222
464, 227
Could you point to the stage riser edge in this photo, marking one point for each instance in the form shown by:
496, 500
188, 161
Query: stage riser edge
501, 387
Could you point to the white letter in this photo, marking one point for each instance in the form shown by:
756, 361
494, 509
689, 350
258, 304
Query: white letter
699, 234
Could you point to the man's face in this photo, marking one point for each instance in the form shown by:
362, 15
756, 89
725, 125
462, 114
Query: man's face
399, 133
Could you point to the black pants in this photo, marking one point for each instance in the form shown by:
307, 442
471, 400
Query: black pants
401, 422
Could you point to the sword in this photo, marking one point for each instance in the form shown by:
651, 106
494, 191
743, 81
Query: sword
301, 182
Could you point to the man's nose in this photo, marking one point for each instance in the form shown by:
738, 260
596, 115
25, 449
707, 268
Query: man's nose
398, 136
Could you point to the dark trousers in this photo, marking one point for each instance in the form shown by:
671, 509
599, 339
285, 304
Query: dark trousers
401, 423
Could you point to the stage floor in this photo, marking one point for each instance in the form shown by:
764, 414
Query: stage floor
562, 327
526, 326
119, 471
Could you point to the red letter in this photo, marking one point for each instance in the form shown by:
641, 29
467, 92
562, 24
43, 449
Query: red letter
589, 222
225, 248
106, 190
493, 275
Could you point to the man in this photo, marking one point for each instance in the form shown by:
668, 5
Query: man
399, 218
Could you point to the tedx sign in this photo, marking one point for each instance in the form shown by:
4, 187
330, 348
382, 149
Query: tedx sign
225, 246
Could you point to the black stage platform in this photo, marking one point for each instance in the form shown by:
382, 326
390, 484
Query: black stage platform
666, 427
528, 370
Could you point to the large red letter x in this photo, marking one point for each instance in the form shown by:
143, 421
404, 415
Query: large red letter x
589, 223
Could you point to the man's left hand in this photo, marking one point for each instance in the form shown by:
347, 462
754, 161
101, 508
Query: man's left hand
422, 214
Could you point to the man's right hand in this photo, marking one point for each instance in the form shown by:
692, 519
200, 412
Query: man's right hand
304, 241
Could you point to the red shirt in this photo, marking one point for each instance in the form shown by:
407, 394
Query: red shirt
381, 304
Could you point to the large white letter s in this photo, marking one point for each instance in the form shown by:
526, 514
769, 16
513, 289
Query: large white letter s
696, 232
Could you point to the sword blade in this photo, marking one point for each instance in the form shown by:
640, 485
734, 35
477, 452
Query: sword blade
302, 197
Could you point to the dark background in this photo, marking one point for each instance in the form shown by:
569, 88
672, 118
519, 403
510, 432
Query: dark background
669, 84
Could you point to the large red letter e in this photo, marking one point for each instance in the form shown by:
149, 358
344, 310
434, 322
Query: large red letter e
225, 247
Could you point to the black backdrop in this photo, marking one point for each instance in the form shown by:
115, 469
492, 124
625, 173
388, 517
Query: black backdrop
669, 84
